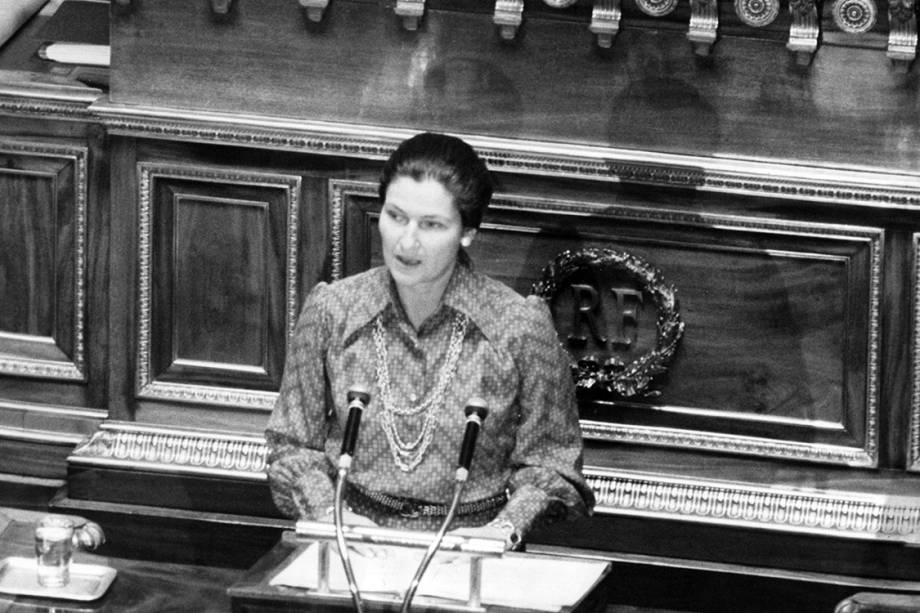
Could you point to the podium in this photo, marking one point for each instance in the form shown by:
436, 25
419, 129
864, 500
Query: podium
298, 574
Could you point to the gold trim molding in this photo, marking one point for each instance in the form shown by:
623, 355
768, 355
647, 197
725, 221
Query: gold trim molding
792, 180
75, 369
146, 386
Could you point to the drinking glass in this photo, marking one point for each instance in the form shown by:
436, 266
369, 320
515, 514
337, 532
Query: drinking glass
54, 549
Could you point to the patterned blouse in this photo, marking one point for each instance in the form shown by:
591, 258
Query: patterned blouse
529, 446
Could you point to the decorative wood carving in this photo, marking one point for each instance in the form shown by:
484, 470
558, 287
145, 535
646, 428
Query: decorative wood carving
748, 177
902, 33
611, 377
411, 13
52, 346
314, 8
804, 30
146, 447
795, 509
220, 7
757, 13
150, 383
913, 444
854, 16
656, 8
804, 510
605, 21
509, 15
704, 25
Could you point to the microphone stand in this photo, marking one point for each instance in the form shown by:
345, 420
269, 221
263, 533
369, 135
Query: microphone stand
476, 412
357, 402
432, 548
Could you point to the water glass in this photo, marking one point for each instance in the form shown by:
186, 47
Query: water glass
54, 549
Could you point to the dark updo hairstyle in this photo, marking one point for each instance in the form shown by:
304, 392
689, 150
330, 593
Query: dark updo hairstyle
449, 161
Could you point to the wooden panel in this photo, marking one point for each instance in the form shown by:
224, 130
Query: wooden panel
218, 283
779, 357
551, 84
43, 245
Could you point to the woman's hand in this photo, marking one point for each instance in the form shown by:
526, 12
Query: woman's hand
493, 531
349, 518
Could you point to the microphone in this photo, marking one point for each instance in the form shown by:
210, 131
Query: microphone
358, 399
476, 411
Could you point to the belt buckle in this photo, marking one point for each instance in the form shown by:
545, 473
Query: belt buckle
410, 510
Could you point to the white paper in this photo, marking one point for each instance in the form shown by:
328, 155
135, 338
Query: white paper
545, 583
14, 13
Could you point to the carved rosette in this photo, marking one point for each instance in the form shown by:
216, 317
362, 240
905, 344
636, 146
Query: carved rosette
656, 8
855, 16
613, 377
757, 13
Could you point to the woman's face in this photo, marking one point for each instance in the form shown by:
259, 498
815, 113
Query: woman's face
421, 231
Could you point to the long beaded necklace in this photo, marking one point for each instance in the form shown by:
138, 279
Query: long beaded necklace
408, 454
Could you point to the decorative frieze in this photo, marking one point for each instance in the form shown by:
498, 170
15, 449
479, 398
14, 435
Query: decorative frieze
841, 514
838, 514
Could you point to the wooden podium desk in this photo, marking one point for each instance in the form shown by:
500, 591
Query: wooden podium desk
254, 593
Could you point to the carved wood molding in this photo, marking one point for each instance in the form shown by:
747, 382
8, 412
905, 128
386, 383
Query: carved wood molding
75, 368
24, 102
793, 180
913, 459
145, 383
812, 511
131, 446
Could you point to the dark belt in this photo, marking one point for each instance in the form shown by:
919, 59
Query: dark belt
412, 507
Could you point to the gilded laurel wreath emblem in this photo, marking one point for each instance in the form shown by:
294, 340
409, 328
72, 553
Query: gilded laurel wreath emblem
613, 376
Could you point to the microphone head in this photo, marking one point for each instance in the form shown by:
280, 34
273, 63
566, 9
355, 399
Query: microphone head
359, 393
478, 407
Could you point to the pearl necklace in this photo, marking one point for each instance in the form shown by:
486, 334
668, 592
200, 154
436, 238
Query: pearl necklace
408, 454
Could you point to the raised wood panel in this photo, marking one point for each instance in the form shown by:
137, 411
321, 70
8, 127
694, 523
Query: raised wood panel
218, 283
780, 353
43, 242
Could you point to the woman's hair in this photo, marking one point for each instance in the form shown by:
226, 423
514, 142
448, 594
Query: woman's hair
449, 161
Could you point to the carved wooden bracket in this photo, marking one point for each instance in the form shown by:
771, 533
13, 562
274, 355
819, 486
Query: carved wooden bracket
314, 9
757, 13
902, 33
509, 14
220, 7
804, 30
605, 21
411, 12
704, 25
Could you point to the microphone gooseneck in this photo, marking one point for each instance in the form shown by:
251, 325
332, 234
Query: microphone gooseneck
476, 411
358, 400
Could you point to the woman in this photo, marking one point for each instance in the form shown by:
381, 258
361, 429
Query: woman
425, 333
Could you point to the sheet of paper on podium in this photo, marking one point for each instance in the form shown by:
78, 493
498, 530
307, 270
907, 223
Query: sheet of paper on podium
545, 583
